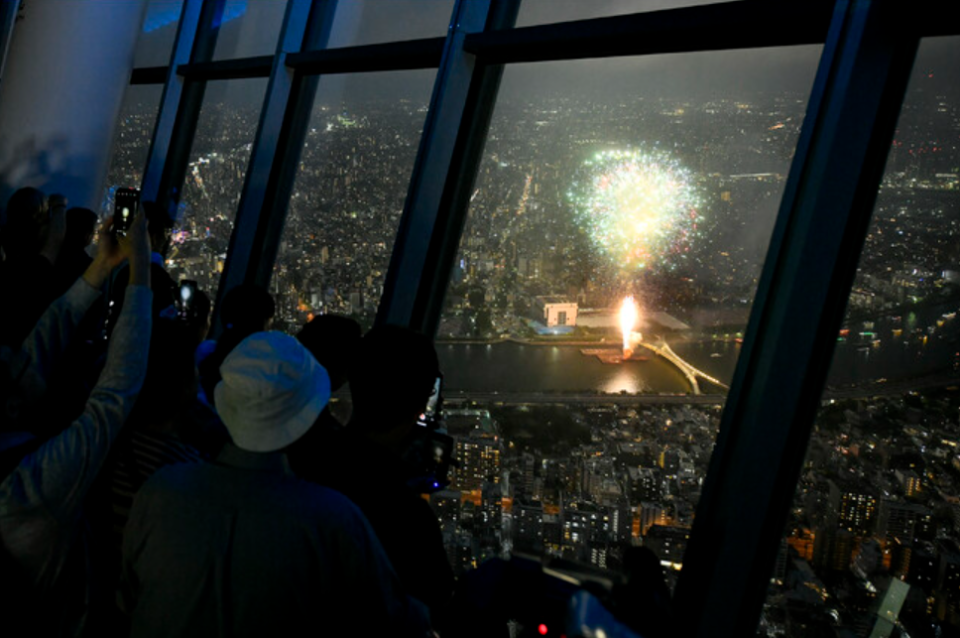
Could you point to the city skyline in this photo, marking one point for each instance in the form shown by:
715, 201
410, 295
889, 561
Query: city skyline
881, 473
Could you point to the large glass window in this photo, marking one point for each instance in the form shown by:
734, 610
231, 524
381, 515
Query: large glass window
349, 194
871, 542
360, 22
534, 12
249, 28
639, 190
138, 115
211, 191
159, 31
141, 102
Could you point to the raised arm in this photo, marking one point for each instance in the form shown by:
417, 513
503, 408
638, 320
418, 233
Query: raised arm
56, 477
32, 366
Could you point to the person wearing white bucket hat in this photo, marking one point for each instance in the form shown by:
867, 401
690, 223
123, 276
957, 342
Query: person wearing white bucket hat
241, 547
271, 392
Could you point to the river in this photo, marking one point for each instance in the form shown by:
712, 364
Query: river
892, 349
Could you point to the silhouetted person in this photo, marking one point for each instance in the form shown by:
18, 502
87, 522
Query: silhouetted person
48, 577
241, 547
643, 603
73, 259
334, 341
393, 376
159, 432
32, 238
26, 216
245, 309
201, 316
160, 227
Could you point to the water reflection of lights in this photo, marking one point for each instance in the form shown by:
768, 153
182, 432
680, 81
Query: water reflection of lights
624, 381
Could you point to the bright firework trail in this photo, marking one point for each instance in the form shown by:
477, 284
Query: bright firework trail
640, 207
628, 320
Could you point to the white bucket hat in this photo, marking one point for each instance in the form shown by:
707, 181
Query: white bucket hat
271, 393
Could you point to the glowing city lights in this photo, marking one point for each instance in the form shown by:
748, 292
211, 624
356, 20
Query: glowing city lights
641, 208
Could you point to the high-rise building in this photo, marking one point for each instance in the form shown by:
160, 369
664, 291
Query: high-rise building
528, 525
947, 592
645, 484
669, 543
924, 566
903, 521
853, 506
909, 482
650, 514
478, 449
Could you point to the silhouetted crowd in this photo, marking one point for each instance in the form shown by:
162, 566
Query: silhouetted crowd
155, 482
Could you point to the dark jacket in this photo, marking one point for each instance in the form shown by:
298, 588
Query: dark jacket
374, 479
71, 264
241, 547
27, 286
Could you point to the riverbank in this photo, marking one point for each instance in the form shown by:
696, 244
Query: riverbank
574, 343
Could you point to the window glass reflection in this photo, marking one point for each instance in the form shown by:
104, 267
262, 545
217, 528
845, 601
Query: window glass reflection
349, 194
158, 33
249, 28
534, 12
211, 190
134, 130
604, 279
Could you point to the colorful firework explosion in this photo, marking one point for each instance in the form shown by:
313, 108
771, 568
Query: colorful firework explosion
640, 207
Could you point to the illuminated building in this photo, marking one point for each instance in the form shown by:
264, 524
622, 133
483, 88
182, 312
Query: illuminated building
528, 525
904, 521
645, 484
668, 542
558, 311
478, 449
924, 566
651, 514
853, 507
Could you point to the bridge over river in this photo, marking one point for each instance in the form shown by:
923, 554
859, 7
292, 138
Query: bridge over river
693, 374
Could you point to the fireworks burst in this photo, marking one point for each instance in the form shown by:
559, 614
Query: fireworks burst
640, 207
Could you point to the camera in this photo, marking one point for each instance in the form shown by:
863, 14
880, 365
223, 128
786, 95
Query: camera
126, 202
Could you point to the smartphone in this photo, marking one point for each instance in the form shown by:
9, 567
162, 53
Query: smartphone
126, 200
427, 459
188, 298
440, 457
431, 415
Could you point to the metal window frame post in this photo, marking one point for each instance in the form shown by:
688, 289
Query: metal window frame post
463, 99
820, 230
283, 124
180, 104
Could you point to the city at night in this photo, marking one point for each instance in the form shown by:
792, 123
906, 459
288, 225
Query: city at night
695, 295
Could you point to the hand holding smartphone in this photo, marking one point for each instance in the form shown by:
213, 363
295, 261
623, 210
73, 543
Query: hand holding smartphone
187, 300
127, 201
432, 414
